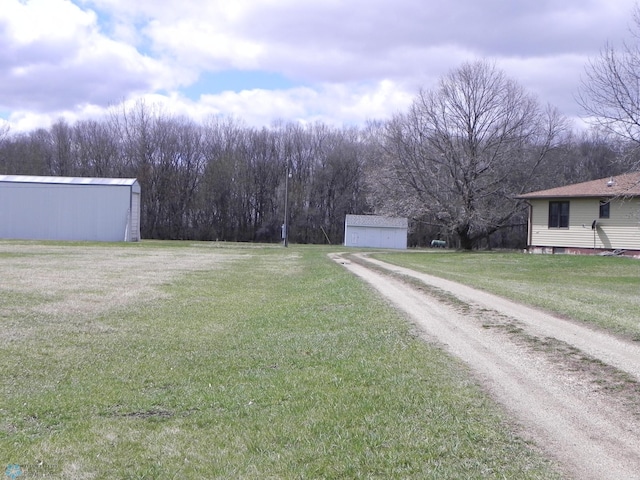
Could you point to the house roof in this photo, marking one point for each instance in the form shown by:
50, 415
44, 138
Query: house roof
619, 186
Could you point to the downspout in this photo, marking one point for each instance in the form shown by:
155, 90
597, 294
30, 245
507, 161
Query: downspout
529, 224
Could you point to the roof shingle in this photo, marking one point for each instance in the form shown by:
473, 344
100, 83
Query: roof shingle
627, 185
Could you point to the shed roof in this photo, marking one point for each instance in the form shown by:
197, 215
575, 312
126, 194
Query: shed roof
621, 185
375, 221
67, 180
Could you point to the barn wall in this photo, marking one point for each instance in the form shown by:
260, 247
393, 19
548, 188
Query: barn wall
375, 231
65, 211
376, 237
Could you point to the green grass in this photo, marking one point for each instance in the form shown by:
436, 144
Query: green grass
603, 291
245, 362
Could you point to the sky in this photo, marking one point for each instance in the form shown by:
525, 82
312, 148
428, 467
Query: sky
340, 62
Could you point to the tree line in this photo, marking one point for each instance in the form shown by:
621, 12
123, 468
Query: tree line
220, 180
453, 163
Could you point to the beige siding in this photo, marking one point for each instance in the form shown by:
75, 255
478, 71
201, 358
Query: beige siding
620, 230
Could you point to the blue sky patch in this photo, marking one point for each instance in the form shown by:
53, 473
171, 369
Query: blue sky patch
107, 27
211, 83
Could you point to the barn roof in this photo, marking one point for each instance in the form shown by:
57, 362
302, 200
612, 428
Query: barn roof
621, 185
375, 221
67, 180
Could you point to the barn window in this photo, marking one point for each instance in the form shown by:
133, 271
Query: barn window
604, 208
558, 214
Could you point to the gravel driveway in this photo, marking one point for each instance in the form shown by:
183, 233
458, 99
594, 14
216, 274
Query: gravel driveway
572, 390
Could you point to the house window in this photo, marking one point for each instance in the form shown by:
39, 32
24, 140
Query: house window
558, 214
604, 208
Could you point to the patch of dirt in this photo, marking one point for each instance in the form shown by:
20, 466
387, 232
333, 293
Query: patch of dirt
154, 413
573, 390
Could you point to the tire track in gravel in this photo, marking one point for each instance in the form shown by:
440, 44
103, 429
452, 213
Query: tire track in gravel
611, 350
588, 432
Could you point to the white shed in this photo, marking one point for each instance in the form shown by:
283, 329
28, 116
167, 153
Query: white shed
375, 231
69, 208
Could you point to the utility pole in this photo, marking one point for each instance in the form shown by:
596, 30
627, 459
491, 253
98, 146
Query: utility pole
285, 225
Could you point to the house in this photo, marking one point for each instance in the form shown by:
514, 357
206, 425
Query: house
69, 208
590, 217
375, 231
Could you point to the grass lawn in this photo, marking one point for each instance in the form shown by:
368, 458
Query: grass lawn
165, 360
603, 291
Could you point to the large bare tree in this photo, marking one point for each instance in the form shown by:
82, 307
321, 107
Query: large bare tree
464, 150
610, 90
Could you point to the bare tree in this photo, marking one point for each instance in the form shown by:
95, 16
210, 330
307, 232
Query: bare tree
464, 150
610, 90
97, 145
5, 128
217, 180
337, 187
62, 150
221, 211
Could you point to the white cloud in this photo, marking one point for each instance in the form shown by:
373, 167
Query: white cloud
43, 20
333, 104
54, 57
198, 43
351, 61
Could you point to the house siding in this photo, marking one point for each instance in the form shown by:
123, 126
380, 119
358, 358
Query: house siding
620, 231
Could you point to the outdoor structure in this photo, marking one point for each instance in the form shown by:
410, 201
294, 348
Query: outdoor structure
600, 216
375, 231
69, 208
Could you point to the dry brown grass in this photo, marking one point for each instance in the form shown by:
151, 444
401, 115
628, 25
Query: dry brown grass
92, 280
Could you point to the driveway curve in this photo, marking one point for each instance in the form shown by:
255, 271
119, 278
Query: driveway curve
550, 374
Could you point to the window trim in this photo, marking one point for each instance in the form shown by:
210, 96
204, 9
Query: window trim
605, 208
557, 215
